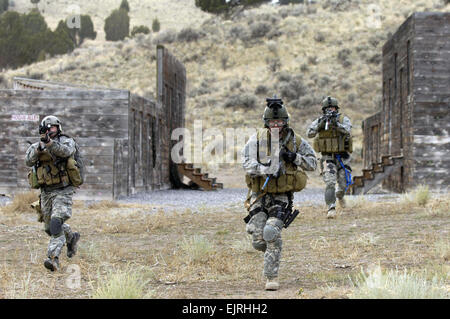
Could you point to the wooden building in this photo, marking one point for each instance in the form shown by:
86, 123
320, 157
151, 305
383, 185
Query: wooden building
124, 138
408, 142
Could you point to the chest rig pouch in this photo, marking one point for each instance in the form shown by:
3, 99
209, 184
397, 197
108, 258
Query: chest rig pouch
333, 141
293, 179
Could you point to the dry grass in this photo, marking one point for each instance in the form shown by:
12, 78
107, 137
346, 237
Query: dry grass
208, 254
396, 284
21, 203
128, 283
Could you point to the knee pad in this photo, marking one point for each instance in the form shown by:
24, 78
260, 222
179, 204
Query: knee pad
340, 194
259, 245
48, 232
330, 195
56, 226
270, 233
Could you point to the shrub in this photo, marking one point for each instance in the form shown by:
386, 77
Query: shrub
188, 35
375, 59
117, 25
235, 84
293, 88
343, 57
156, 25
241, 100
261, 89
239, 32
273, 64
319, 37
140, 29
312, 60
167, 36
260, 29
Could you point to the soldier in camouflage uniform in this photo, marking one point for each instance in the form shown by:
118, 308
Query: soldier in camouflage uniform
334, 142
270, 200
48, 159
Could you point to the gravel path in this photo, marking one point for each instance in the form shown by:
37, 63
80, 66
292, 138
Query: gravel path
193, 199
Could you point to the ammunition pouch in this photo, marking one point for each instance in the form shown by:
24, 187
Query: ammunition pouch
50, 175
332, 141
32, 178
74, 172
291, 181
333, 144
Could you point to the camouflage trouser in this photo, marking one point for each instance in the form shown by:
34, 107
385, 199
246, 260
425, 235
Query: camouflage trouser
57, 204
266, 230
334, 178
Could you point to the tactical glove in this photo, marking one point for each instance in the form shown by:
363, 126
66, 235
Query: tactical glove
45, 138
321, 123
288, 156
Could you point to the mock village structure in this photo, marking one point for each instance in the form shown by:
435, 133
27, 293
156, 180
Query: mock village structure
408, 142
124, 138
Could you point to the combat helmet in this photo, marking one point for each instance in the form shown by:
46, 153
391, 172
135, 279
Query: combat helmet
329, 102
49, 121
275, 109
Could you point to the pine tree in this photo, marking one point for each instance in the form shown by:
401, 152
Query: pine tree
117, 25
156, 26
124, 5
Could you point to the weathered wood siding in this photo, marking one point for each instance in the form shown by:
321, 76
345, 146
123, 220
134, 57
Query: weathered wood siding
431, 87
146, 169
396, 137
94, 118
415, 121
171, 88
372, 140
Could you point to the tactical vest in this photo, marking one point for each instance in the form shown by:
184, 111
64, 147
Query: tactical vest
333, 141
294, 179
56, 173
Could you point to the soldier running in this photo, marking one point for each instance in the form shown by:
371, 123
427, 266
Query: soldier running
334, 142
50, 173
272, 183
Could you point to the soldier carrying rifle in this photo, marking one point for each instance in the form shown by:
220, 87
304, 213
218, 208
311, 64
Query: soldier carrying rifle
272, 176
56, 170
332, 132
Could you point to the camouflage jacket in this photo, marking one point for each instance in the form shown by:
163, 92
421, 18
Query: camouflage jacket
306, 158
62, 147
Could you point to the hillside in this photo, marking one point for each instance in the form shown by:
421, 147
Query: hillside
299, 52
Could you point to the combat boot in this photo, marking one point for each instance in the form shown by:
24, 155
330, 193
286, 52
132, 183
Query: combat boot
72, 245
341, 202
272, 284
52, 263
331, 213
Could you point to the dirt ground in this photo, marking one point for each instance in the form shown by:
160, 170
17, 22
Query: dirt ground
320, 257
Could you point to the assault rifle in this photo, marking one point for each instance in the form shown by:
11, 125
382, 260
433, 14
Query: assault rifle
329, 117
